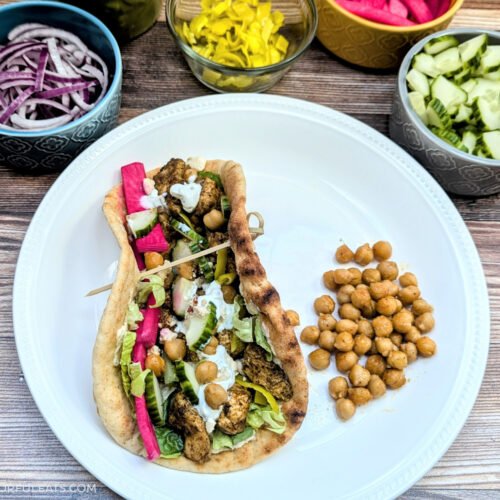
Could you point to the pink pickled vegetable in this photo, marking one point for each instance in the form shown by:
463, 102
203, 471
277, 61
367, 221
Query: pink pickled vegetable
148, 327
153, 242
443, 8
133, 175
138, 256
376, 4
377, 15
419, 10
146, 428
398, 8
139, 353
433, 6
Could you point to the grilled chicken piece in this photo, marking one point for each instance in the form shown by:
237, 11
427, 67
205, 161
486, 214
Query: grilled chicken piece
225, 338
209, 197
188, 421
233, 418
266, 373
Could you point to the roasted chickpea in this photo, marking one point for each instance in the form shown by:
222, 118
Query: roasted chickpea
186, 270
326, 322
175, 349
344, 361
215, 395
380, 289
396, 339
387, 306
293, 317
371, 276
397, 359
355, 276
365, 328
363, 255
361, 298
370, 310
324, 305
345, 409
403, 321
359, 395
362, 286
348, 311
375, 364
410, 349
229, 293
394, 379
156, 364
337, 387
327, 340
421, 306
359, 376
344, 341
344, 254
384, 345
213, 220
399, 305
342, 276
382, 326
408, 279
344, 294
388, 270
153, 259
382, 250
319, 359
376, 386
362, 344
373, 349
329, 280
310, 334
206, 371
425, 322
413, 335
409, 294
346, 325
211, 347
393, 288
426, 347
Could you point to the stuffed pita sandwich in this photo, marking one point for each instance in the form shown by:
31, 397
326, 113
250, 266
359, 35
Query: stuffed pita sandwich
195, 368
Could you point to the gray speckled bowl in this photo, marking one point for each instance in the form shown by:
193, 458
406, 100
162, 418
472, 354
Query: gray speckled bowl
458, 172
54, 149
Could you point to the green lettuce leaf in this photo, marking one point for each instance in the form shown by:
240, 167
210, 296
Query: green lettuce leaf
138, 376
261, 340
241, 327
153, 285
221, 441
247, 433
263, 415
133, 316
126, 359
170, 443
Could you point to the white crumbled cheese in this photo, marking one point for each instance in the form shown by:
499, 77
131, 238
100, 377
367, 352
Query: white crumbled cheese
179, 326
225, 312
188, 193
197, 162
226, 377
166, 335
153, 200
153, 350
119, 342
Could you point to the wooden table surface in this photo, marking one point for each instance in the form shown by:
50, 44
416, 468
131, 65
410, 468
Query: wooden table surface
32, 461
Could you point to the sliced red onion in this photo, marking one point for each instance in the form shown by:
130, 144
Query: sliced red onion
40, 72
16, 103
22, 28
49, 94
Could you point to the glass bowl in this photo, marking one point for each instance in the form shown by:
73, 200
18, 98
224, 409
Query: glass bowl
299, 28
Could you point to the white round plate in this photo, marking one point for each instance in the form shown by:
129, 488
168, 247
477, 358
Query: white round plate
318, 177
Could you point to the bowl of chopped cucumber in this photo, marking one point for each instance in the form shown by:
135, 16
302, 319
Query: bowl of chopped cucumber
446, 109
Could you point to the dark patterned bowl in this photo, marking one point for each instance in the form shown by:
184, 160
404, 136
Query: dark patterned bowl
54, 149
458, 172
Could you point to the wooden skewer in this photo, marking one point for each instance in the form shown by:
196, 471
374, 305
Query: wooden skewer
254, 231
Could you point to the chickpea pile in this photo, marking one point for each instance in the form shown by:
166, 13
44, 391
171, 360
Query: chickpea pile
378, 317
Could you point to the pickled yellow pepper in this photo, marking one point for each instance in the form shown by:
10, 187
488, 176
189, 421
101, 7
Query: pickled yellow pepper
240, 33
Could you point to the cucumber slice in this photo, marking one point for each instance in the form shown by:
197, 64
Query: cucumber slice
464, 114
181, 250
494, 77
479, 152
142, 223
469, 85
450, 137
187, 378
417, 102
183, 293
418, 81
425, 64
440, 43
170, 375
462, 76
472, 50
450, 94
437, 114
490, 144
205, 266
199, 330
448, 62
469, 139
189, 233
484, 88
154, 400
225, 207
487, 113
490, 60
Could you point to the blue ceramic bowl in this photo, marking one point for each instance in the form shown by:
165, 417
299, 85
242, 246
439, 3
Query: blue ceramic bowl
54, 149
